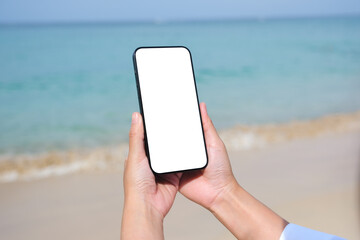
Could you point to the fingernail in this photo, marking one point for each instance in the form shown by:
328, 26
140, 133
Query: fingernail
134, 118
205, 107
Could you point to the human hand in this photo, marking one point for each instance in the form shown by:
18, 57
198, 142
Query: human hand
148, 198
216, 189
206, 185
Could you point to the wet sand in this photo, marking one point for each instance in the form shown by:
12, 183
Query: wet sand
312, 181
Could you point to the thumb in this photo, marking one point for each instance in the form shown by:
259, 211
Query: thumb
211, 135
136, 137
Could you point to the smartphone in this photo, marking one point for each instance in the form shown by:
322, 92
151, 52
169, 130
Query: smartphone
169, 104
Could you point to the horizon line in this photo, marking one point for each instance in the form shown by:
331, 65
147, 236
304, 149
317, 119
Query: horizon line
173, 21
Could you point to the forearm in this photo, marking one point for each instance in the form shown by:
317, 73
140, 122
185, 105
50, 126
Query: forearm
141, 221
246, 217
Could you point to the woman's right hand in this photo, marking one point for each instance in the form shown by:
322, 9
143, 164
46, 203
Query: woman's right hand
205, 186
216, 189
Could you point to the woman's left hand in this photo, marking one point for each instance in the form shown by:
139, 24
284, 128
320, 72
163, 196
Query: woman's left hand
148, 198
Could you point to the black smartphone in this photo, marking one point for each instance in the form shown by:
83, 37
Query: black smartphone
169, 104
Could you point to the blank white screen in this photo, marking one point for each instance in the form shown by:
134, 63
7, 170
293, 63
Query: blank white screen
170, 109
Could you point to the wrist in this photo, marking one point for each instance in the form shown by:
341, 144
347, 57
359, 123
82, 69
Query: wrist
141, 220
228, 209
245, 216
227, 192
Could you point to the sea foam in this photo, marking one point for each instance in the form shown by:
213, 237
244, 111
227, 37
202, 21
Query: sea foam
25, 167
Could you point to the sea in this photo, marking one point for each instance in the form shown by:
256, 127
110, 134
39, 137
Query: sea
72, 86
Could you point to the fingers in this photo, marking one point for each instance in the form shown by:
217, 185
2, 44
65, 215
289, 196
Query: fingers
211, 135
169, 178
136, 137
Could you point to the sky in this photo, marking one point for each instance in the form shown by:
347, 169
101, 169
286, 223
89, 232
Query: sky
49, 11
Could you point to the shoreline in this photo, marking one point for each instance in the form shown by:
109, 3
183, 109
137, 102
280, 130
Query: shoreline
25, 167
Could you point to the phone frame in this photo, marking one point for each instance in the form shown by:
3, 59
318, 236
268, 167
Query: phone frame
142, 112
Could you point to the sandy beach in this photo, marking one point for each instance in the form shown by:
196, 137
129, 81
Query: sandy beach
312, 180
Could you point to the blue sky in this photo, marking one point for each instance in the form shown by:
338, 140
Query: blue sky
19, 11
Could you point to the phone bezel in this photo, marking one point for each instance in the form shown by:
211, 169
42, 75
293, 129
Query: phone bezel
142, 112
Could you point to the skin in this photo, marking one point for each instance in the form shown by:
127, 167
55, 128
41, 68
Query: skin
148, 198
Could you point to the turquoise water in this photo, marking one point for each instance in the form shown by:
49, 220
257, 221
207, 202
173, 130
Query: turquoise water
73, 86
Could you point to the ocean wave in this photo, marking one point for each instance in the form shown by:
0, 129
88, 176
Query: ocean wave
240, 137
243, 137
55, 163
